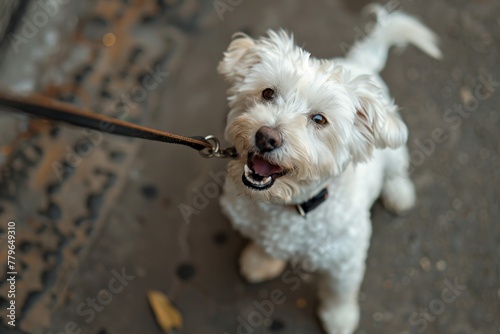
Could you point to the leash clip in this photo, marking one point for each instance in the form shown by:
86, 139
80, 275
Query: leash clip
215, 151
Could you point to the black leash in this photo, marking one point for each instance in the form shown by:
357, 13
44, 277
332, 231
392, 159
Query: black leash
39, 106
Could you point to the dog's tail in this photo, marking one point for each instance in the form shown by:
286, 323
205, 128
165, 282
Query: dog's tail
391, 29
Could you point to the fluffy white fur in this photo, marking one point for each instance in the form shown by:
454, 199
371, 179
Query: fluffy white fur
359, 155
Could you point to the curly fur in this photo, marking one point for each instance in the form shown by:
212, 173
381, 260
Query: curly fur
358, 156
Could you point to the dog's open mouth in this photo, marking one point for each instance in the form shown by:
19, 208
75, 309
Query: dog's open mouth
259, 173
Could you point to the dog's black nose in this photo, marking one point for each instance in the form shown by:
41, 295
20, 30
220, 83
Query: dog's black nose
267, 139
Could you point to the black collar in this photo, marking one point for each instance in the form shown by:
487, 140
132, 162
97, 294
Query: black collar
313, 203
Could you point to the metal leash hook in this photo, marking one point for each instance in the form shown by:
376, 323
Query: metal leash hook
215, 151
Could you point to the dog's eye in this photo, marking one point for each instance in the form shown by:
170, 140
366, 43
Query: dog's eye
319, 119
268, 94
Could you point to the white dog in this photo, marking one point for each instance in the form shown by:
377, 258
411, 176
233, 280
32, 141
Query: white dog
318, 142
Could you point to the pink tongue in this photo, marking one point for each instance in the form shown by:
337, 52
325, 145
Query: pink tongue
264, 168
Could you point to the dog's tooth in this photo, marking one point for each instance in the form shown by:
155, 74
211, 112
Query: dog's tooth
258, 183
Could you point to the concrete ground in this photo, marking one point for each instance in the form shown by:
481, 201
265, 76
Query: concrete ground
449, 242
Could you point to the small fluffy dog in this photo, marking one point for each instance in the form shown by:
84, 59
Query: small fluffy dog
319, 140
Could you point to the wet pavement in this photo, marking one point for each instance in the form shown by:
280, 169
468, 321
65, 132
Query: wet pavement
118, 217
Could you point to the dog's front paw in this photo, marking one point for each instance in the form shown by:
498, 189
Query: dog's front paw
257, 266
340, 318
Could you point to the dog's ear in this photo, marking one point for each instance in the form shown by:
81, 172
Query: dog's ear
238, 58
376, 122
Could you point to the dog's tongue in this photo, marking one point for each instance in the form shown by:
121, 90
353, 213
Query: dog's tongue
264, 168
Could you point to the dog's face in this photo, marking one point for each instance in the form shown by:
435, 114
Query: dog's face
297, 121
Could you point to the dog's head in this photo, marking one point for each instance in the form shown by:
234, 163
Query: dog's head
297, 121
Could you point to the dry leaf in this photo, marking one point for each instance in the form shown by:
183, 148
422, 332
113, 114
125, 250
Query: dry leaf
167, 316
